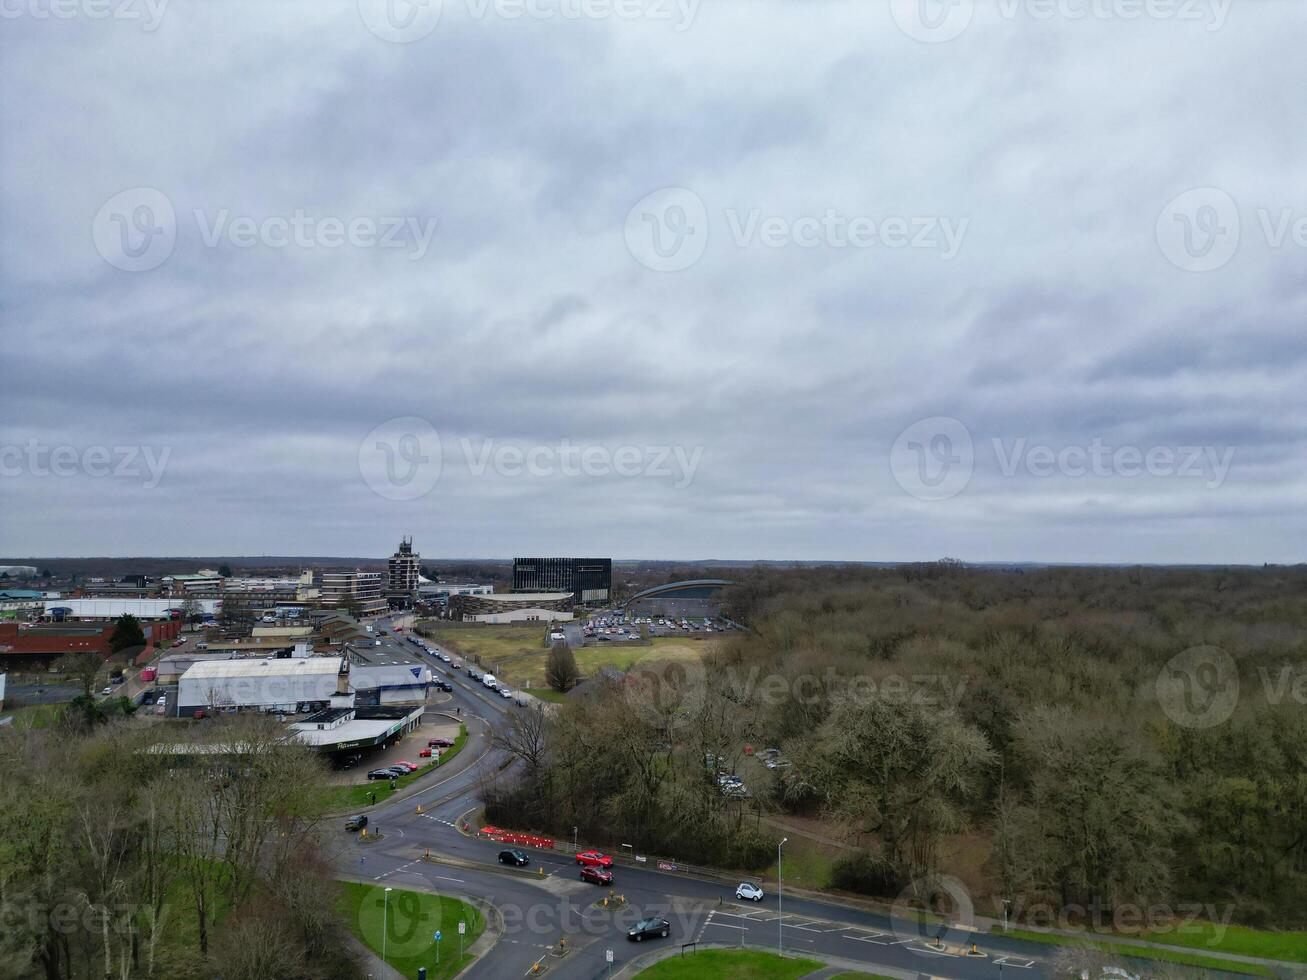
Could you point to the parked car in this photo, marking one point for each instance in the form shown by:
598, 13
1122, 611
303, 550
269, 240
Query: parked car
397, 770
647, 928
456, 664
594, 859
356, 823
424, 753
597, 876
505, 692
440, 743
405, 764
514, 857
748, 890
445, 686
381, 774
108, 689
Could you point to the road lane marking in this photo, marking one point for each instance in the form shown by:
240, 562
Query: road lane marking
726, 925
1021, 965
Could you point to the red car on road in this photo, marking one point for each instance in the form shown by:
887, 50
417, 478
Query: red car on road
593, 859
597, 875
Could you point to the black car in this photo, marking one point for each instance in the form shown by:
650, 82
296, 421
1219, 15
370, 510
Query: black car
514, 857
445, 686
397, 771
356, 823
646, 928
381, 774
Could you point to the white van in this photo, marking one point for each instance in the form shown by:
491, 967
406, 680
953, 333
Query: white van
490, 682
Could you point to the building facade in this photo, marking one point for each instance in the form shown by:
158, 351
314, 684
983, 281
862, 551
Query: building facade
512, 607
590, 580
363, 589
403, 570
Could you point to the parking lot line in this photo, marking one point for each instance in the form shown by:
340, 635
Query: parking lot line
1019, 964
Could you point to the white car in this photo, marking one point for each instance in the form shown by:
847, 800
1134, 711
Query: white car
748, 890
505, 692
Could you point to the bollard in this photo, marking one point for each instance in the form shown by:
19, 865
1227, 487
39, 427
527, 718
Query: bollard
974, 951
541, 872
419, 808
422, 973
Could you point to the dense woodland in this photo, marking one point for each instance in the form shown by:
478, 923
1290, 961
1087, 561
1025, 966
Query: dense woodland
120, 861
1001, 726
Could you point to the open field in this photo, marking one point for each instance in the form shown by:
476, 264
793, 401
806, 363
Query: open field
517, 654
729, 964
409, 921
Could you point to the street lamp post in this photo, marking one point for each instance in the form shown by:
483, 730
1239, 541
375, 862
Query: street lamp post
385, 922
780, 914
1006, 902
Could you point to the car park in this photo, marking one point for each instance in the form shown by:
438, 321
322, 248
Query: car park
648, 928
515, 857
748, 891
356, 823
594, 859
597, 876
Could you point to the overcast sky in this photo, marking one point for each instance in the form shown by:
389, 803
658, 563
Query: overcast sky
1019, 279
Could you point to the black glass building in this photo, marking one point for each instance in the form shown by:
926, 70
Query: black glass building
590, 580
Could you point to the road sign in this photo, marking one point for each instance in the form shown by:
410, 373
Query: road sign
462, 928
608, 955
437, 935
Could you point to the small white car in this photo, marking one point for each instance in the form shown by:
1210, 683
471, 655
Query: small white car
505, 692
747, 890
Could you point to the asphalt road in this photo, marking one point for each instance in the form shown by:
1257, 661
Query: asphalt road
540, 909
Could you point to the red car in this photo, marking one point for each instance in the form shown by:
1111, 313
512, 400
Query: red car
593, 859
407, 765
597, 875
424, 754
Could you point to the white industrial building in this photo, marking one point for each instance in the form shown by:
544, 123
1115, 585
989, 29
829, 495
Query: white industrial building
114, 608
273, 684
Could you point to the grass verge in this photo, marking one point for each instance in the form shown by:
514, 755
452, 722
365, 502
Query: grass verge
409, 921
1288, 946
729, 964
1138, 952
356, 796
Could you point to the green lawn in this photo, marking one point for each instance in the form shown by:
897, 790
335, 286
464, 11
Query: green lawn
729, 964
34, 715
805, 863
1291, 946
851, 975
356, 796
1139, 952
409, 921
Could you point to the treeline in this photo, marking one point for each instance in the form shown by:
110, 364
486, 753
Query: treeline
1059, 737
121, 859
